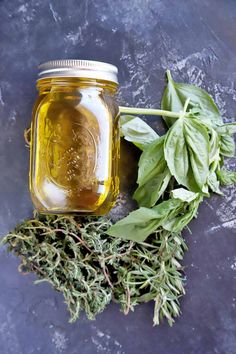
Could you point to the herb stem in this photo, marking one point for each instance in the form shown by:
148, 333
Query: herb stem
186, 105
168, 74
149, 111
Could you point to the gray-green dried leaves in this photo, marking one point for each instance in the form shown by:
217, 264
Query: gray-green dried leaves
91, 268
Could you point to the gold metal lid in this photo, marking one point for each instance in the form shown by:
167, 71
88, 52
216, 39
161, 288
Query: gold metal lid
78, 68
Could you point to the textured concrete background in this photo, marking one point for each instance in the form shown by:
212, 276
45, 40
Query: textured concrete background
196, 40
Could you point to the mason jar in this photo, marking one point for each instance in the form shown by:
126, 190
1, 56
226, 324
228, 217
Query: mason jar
74, 151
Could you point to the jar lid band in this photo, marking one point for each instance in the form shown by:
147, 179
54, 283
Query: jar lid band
78, 68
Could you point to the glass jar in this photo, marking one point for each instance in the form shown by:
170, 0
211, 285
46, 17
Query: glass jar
75, 138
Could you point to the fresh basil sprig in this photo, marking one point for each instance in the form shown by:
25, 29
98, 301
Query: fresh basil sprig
178, 169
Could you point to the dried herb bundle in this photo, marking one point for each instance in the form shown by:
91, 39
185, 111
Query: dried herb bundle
90, 268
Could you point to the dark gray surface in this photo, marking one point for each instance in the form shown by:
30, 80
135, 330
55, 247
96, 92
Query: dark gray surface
196, 40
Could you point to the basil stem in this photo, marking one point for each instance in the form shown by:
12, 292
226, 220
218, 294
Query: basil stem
149, 111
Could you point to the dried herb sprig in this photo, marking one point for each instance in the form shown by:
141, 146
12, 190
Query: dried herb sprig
90, 268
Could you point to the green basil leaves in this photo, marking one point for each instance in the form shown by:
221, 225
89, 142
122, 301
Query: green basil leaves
138, 132
153, 174
142, 222
226, 177
176, 94
180, 168
187, 153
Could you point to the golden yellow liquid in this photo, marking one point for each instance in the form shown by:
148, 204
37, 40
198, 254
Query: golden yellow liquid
75, 147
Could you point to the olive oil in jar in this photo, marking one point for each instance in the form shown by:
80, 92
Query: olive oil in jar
75, 140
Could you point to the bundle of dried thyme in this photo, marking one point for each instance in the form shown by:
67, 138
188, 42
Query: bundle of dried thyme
91, 269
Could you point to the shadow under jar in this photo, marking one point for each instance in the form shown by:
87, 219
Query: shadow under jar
75, 138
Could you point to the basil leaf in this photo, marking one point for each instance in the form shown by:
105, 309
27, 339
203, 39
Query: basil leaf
136, 226
229, 128
138, 132
176, 152
214, 184
176, 223
186, 151
152, 161
150, 192
184, 195
171, 101
176, 94
153, 174
139, 224
214, 147
197, 139
227, 145
226, 177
